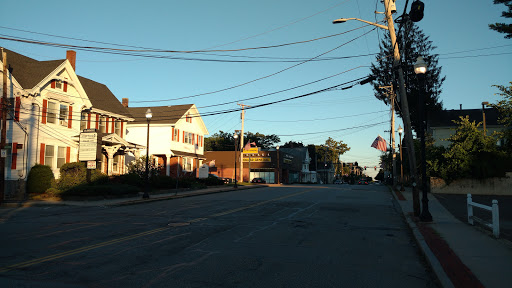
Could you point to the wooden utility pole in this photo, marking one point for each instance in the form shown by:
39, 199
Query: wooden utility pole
391, 95
242, 144
3, 135
405, 110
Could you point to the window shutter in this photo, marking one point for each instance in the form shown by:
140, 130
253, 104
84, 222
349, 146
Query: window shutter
68, 154
97, 121
65, 89
178, 135
70, 120
88, 120
197, 140
14, 155
106, 124
53, 84
172, 134
183, 136
17, 109
45, 107
113, 127
41, 154
122, 129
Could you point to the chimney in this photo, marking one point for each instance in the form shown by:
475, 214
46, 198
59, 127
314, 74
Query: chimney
125, 102
460, 107
71, 56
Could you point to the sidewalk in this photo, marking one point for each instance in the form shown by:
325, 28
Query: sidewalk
460, 255
162, 195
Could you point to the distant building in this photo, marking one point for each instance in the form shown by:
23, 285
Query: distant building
441, 123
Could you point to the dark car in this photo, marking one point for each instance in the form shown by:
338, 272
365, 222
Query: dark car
258, 180
363, 182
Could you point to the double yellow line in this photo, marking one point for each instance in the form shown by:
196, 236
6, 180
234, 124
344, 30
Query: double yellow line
134, 236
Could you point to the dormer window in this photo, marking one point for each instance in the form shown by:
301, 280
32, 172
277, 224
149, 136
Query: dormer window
58, 85
188, 118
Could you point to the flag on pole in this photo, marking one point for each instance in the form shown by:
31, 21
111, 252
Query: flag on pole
249, 145
380, 144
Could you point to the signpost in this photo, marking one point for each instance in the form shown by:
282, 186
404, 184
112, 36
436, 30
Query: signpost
89, 149
203, 171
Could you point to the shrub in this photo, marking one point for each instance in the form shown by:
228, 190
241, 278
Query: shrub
162, 181
211, 181
52, 192
130, 179
74, 174
40, 178
103, 190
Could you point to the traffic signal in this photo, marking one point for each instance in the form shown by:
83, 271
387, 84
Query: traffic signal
416, 13
364, 167
375, 168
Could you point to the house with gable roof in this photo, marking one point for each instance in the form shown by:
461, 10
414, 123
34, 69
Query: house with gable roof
48, 106
176, 137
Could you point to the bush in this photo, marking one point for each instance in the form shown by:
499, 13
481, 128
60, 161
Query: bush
211, 181
103, 190
40, 178
52, 192
75, 174
162, 181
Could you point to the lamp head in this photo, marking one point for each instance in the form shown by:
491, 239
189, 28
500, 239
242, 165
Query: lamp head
485, 103
420, 67
341, 20
235, 136
149, 114
400, 130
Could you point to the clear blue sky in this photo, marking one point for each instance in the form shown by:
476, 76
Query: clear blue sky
192, 25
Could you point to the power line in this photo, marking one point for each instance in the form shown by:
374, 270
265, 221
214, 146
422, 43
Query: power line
317, 119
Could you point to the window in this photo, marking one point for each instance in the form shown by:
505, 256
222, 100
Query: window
102, 124
49, 155
176, 134
118, 127
188, 118
58, 85
52, 112
61, 156
115, 163
187, 164
83, 121
63, 115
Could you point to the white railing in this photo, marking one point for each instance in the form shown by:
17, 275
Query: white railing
494, 225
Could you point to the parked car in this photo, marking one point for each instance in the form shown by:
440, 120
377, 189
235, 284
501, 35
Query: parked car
258, 180
338, 181
363, 182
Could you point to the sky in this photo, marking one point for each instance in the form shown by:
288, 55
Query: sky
472, 57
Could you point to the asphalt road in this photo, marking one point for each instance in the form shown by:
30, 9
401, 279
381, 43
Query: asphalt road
290, 236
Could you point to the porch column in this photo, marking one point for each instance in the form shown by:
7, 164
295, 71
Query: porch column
111, 151
168, 164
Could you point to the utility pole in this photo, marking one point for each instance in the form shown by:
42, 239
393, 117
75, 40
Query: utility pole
391, 95
405, 109
242, 143
3, 134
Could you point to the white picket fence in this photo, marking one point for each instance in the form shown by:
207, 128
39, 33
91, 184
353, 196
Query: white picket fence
494, 225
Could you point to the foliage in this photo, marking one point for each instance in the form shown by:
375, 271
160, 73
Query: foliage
103, 190
412, 43
470, 154
331, 151
504, 108
293, 144
40, 178
211, 181
380, 175
75, 173
132, 179
138, 166
224, 141
502, 27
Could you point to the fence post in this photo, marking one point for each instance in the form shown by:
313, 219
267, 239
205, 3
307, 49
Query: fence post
470, 210
495, 219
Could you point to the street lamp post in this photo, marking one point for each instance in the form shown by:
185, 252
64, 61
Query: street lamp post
420, 68
483, 115
146, 194
236, 138
277, 153
400, 130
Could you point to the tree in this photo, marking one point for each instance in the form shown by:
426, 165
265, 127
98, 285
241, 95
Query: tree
502, 27
504, 108
331, 151
413, 43
224, 141
293, 144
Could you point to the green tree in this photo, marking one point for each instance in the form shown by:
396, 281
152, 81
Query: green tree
331, 152
293, 144
224, 141
504, 108
502, 27
413, 43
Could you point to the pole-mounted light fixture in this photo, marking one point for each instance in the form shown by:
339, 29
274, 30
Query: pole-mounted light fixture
149, 115
420, 67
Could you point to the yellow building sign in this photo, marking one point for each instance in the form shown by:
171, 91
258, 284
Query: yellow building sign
253, 150
257, 159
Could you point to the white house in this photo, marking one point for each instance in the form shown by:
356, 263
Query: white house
176, 137
48, 105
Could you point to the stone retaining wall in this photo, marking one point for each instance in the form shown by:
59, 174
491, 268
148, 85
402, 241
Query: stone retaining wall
489, 186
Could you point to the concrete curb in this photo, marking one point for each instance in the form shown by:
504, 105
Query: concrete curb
97, 203
432, 260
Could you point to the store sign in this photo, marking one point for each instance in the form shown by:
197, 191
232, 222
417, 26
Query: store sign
253, 150
257, 159
88, 149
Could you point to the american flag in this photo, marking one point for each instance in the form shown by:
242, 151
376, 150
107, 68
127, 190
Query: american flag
249, 145
380, 144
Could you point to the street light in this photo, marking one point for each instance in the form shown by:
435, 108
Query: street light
483, 115
236, 138
277, 153
148, 118
400, 131
343, 20
420, 68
